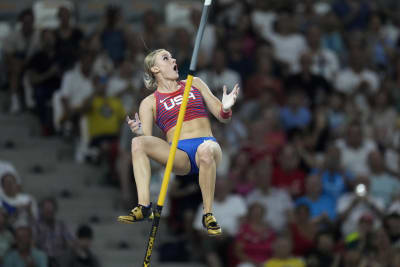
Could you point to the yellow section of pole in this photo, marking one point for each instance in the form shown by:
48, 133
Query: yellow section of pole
177, 133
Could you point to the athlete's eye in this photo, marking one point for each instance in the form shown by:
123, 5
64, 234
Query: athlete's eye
165, 58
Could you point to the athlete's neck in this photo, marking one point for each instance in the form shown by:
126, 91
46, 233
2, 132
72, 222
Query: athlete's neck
167, 86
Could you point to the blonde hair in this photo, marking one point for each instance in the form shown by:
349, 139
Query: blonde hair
148, 76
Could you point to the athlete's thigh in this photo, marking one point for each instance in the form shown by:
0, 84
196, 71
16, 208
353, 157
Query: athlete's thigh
158, 150
214, 148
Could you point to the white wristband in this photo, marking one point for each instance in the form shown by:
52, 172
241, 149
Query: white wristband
207, 2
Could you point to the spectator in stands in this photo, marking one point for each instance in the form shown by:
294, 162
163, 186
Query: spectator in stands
303, 230
312, 83
76, 86
81, 254
336, 114
230, 208
51, 234
354, 149
382, 184
354, 15
287, 173
383, 116
253, 243
325, 61
242, 182
125, 83
104, 115
25, 254
331, 37
357, 79
283, 256
6, 236
68, 40
392, 227
335, 180
263, 80
18, 205
324, 252
322, 207
219, 75
276, 202
381, 46
287, 43
114, 35
352, 205
44, 72
295, 114
18, 48
237, 60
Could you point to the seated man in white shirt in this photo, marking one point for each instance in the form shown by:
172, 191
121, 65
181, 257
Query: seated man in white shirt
287, 43
357, 80
76, 87
354, 149
276, 202
230, 208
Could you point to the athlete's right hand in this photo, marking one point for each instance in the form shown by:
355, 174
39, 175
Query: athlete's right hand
135, 124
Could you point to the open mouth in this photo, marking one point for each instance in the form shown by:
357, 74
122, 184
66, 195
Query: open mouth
176, 68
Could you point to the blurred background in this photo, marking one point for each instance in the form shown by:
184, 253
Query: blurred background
311, 169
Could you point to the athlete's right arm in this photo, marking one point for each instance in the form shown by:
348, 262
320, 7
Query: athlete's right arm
146, 114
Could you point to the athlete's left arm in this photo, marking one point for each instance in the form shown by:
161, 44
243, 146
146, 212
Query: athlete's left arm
214, 105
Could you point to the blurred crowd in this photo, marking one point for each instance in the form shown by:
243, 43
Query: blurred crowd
32, 235
311, 168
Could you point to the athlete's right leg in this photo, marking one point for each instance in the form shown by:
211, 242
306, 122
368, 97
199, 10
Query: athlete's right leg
145, 148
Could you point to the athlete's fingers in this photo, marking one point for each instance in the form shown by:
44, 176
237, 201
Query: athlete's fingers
137, 116
128, 119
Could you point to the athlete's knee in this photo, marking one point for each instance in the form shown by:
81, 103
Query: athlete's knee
206, 154
138, 144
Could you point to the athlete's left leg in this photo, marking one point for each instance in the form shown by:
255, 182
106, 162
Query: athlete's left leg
208, 156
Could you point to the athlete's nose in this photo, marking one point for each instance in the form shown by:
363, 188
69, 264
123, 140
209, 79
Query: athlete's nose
173, 60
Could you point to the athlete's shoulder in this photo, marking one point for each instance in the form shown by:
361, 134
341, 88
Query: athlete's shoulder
148, 100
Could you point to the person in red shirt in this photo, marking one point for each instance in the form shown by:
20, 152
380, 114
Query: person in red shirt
253, 244
287, 173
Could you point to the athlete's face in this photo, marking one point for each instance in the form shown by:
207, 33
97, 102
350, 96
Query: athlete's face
166, 65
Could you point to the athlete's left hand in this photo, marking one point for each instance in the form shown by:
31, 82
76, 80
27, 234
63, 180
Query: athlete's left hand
228, 100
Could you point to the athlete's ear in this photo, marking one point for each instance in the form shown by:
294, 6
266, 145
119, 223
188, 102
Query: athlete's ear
155, 69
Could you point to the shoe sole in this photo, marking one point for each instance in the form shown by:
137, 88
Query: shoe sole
216, 233
123, 219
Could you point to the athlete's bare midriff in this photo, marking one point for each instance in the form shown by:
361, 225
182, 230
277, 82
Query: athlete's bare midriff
199, 127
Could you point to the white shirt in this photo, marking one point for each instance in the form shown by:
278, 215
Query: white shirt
325, 63
351, 223
17, 43
227, 214
347, 80
263, 22
288, 49
216, 81
276, 203
384, 186
356, 160
76, 87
